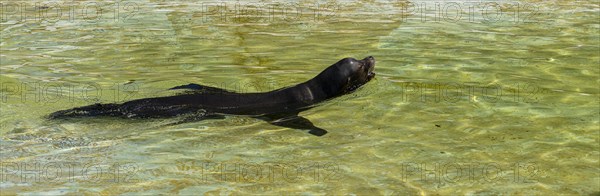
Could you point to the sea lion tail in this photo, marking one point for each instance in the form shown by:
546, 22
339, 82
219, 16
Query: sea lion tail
90, 110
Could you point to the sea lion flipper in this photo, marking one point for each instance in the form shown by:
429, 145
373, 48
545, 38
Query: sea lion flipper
202, 88
298, 122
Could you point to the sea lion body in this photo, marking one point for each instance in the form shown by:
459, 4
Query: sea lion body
217, 103
338, 79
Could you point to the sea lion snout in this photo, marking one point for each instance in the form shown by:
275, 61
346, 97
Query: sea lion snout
370, 61
369, 64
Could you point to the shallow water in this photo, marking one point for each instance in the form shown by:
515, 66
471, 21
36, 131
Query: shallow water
482, 102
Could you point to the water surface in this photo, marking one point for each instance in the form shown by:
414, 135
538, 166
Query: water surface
469, 98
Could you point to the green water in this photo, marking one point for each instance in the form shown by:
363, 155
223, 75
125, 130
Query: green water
481, 102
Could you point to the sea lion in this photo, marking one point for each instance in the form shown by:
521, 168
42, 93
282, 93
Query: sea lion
279, 107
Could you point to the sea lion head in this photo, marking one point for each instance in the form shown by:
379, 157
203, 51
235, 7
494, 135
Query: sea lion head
347, 75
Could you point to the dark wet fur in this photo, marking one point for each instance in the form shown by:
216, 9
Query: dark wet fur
279, 107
